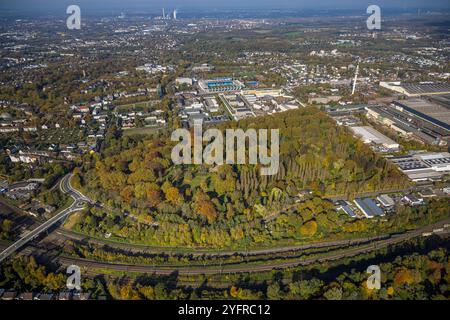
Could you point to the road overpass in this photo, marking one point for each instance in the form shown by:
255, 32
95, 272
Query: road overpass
79, 203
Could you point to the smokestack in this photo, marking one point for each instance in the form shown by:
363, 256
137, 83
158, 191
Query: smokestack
356, 79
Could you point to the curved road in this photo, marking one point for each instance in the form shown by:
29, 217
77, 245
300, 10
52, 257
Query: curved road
369, 244
78, 204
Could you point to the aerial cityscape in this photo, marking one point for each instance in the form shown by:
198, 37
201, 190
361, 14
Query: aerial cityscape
170, 150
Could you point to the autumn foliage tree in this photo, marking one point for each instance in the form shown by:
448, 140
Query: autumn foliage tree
205, 207
309, 228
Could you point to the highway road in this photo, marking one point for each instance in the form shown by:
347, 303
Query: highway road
79, 203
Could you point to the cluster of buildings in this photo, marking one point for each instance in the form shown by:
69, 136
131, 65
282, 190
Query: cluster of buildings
425, 119
269, 101
385, 204
196, 107
300, 73
258, 102
209, 99
377, 207
65, 295
204, 67
152, 68
20, 190
347, 116
418, 166
418, 112
426, 166
9, 124
134, 119
38, 209
29, 155
237, 106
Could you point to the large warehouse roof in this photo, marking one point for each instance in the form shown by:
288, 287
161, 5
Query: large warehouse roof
369, 208
432, 112
426, 88
417, 89
370, 135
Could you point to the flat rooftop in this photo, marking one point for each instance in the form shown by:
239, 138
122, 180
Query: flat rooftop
431, 109
369, 208
443, 99
426, 88
424, 166
427, 110
369, 134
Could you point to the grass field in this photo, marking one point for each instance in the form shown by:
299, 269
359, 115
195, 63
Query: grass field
72, 220
138, 106
141, 131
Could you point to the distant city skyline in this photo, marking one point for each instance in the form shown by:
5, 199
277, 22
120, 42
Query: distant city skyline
157, 5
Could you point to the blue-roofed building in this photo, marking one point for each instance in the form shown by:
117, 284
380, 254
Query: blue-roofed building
349, 211
220, 85
344, 206
369, 208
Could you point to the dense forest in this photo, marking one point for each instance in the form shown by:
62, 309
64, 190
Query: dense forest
154, 202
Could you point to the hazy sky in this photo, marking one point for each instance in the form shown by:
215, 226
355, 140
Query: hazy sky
52, 5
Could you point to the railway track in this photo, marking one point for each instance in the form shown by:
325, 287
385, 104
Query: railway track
205, 252
153, 269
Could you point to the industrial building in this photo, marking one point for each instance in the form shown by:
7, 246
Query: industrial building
369, 208
427, 111
386, 201
206, 120
212, 105
385, 117
412, 200
414, 119
186, 81
269, 101
417, 90
344, 206
430, 115
424, 166
237, 106
263, 92
371, 136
